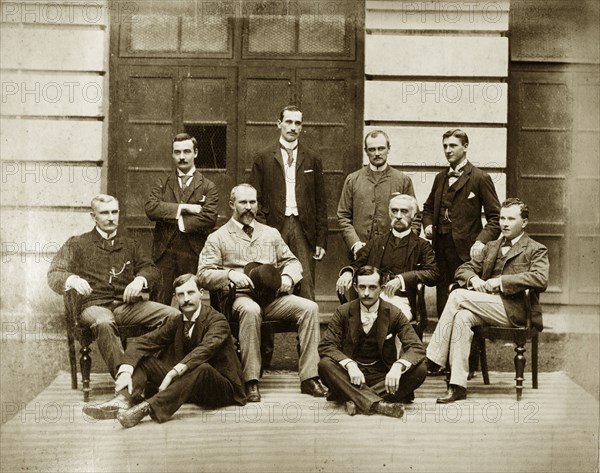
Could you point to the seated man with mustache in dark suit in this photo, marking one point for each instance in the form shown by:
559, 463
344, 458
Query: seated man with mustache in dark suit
359, 357
196, 363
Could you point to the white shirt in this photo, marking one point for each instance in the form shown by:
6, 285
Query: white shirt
452, 180
190, 173
291, 206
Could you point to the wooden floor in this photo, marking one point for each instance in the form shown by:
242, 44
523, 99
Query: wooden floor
553, 429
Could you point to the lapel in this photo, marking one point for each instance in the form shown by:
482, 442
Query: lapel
462, 180
173, 185
277, 156
516, 249
412, 245
100, 242
490, 261
381, 324
196, 184
354, 323
179, 338
299, 159
236, 231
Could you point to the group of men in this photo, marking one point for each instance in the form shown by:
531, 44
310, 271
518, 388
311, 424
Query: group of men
370, 357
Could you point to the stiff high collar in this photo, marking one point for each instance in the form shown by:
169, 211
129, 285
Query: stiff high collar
373, 309
381, 168
189, 173
515, 239
460, 166
194, 316
287, 144
403, 234
105, 235
241, 225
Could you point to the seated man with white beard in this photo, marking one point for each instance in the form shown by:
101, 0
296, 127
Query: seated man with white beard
403, 258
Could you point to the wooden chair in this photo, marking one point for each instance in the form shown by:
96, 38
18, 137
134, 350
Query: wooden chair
419, 320
85, 338
517, 335
222, 301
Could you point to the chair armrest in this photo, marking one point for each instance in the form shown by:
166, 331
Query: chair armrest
527, 296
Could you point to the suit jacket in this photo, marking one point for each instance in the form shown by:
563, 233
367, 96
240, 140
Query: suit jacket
269, 179
230, 248
474, 189
363, 209
213, 345
92, 258
526, 266
345, 326
161, 207
420, 259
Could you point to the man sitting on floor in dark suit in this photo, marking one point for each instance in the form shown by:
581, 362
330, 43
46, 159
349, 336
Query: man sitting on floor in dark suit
491, 285
359, 357
196, 363
403, 258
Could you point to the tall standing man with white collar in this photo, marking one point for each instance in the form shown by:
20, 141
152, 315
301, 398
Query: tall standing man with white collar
292, 197
184, 207
363, 206
452, 212
108, 272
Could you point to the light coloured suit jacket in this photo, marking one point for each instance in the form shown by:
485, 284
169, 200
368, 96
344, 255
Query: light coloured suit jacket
230, 248
526, 266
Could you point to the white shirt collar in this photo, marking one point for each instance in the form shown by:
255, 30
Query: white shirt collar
381, 168
105, 235
403, 234
287, 144
517, 238
241, 225
194, 316
189, 173
373, 309
461, 165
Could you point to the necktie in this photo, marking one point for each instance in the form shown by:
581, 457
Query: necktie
506, 244
290, 153
367, 320
184, 182
187, 325
248, 230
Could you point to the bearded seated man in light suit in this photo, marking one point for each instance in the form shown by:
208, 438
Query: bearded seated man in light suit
493, 282
227, 252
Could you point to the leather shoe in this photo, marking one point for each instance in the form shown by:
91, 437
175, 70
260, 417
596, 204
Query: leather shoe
252, 392
455, 393
108, 409
313, 387
433, 369
133, 416
390, 409
408, 399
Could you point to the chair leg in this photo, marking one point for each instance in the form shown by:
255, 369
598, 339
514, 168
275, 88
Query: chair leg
519, 368
72, 360
474, 356
534, 361
484, 364
267, 346
86, 367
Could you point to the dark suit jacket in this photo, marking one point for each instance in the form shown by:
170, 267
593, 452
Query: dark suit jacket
213, 345
526, 266
420, 259
465, 212
269, 179
92, 258
345, 326
161, 207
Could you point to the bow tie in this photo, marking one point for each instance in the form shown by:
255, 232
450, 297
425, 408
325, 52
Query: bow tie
507, 243
453, 173
368, 318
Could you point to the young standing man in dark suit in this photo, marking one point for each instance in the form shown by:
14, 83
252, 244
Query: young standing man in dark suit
184, 206
291, 195
196, 362
452, 212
